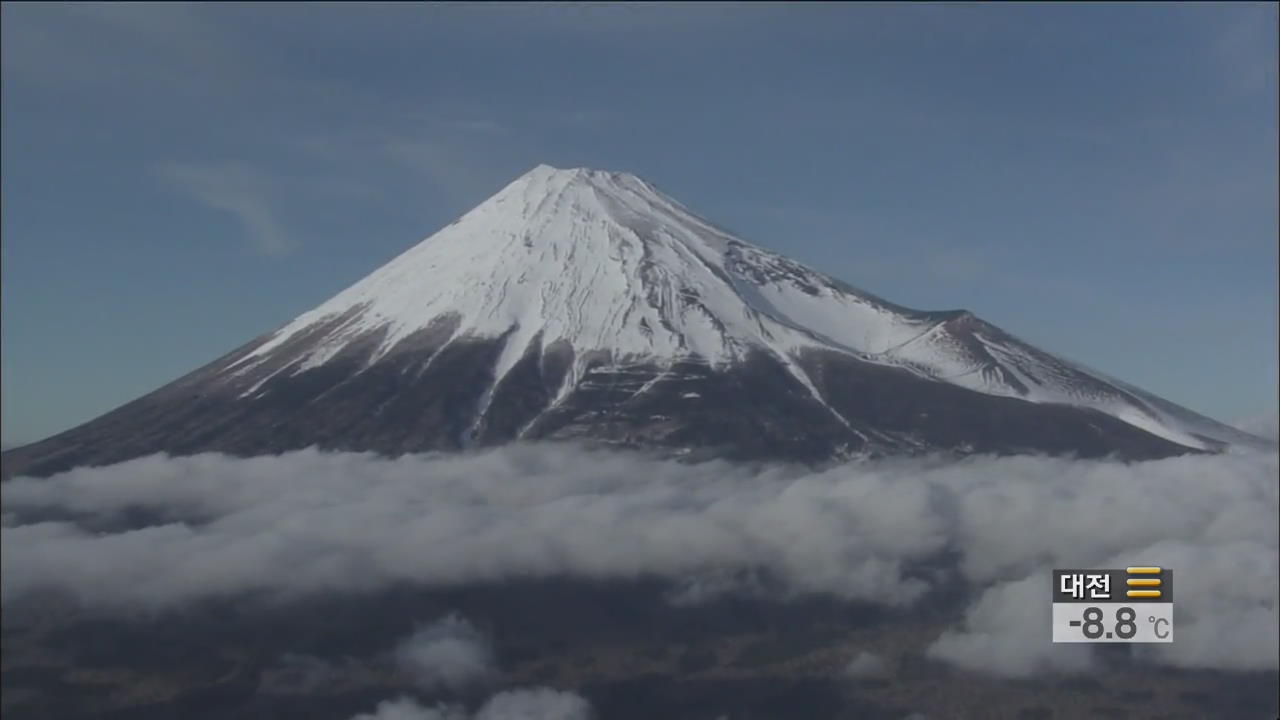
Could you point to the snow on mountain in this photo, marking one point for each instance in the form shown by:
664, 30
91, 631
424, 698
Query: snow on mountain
609, 265
601, 261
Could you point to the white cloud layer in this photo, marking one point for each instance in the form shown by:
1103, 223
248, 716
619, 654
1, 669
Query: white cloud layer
309, 522
240, 191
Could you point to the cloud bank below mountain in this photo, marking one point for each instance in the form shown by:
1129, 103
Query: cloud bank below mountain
158, 531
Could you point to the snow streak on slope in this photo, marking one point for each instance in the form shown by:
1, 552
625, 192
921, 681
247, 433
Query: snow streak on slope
612, 267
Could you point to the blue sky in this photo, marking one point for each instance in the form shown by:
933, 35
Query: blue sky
1098, 179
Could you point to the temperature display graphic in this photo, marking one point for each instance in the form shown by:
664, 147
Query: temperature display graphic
1130, 605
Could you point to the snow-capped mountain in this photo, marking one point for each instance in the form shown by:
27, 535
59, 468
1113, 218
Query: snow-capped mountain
587, 304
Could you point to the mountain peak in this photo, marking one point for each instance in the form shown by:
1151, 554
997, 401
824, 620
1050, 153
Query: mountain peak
543, 170
545, 180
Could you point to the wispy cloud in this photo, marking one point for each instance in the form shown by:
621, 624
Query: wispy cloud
238, 190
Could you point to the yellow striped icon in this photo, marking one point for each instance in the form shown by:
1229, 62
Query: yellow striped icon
1143, 582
